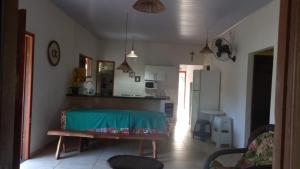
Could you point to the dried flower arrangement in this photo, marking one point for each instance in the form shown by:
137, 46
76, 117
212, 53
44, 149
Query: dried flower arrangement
78, 77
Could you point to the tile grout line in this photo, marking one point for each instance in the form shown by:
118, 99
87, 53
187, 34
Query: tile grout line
60, 161
93, 166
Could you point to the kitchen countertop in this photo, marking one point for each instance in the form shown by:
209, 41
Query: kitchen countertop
124, 97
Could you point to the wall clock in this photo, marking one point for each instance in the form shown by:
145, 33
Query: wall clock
53, 53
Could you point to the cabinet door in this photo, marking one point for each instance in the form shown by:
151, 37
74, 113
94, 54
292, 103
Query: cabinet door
159, 73
149, 73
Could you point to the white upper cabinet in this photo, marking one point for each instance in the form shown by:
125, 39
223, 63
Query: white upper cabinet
159, 73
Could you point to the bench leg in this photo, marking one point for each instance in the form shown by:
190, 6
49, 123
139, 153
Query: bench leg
141, 147
80, 146
64, 147
154, 149
57, 154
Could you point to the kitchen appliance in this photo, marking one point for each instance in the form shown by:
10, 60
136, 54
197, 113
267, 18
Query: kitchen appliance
222, 131
151, 84
205, 94
88, 87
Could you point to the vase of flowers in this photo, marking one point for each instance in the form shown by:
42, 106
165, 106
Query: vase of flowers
78, 77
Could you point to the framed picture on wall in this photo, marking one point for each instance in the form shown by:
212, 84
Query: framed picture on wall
137, 78
131, 74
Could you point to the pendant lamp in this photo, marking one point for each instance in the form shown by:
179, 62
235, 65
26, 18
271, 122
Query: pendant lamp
149, 6
206, 49
132, 53
125, 67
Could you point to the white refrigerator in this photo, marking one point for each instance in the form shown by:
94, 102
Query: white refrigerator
205, 94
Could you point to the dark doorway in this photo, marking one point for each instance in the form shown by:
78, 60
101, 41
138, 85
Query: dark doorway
261, 91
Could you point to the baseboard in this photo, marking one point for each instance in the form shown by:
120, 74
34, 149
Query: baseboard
38, 151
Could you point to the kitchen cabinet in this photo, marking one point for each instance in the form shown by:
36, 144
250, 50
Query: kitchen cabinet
157, 73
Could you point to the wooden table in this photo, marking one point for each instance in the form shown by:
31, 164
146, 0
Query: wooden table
80, 134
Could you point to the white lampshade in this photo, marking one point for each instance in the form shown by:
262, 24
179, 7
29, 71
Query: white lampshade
132, 54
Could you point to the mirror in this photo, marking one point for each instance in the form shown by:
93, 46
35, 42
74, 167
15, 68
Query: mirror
87, 63
105, 77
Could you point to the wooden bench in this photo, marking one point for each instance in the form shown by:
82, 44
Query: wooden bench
80, 134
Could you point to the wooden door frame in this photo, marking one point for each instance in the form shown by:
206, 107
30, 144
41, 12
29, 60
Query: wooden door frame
9, 94
20, 63
86, 57
287, 131
27, 115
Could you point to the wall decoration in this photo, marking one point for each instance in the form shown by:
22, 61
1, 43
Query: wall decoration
53, 53
137, 79
192, 56
131, 74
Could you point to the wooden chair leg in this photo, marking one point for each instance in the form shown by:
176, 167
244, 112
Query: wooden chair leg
57, 154
141, 147
154, 149
80, 146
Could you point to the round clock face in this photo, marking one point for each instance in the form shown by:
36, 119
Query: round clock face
53, 53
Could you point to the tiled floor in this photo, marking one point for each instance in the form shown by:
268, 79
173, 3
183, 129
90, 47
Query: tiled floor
178, 152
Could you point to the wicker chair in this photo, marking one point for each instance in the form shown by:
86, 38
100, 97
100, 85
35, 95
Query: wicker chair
253, 136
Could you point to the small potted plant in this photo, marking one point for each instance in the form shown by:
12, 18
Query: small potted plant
78, 77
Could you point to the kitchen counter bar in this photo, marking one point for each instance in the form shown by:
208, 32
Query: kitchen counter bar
118, 102
124, 97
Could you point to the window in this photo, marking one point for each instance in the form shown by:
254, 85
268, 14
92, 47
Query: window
86, 63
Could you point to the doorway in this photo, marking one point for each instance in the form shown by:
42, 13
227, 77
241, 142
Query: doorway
27, 96
184, 92
181, 113
261, 88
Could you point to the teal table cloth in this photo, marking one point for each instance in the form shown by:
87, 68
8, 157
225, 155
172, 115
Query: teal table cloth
115, 121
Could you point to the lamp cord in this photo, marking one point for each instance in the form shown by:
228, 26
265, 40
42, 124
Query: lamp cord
132, 46
206, 36
126, 28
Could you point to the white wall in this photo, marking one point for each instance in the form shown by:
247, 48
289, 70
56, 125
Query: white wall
258, 31
149, 54
50, 84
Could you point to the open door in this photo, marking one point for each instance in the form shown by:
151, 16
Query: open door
25, 71
27, 95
